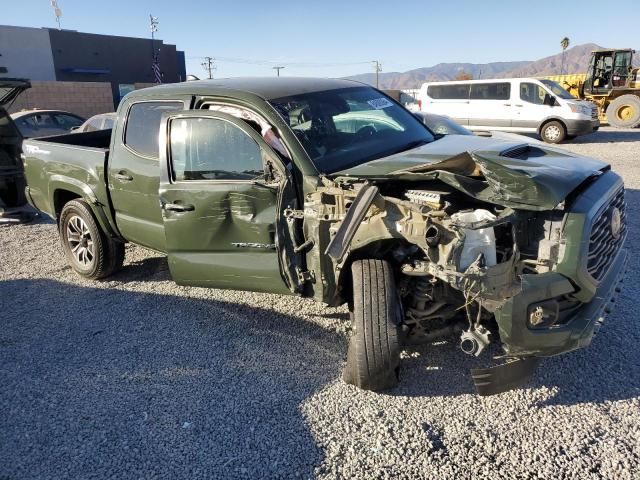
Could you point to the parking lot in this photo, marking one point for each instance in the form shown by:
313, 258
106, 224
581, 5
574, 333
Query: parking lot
136, 377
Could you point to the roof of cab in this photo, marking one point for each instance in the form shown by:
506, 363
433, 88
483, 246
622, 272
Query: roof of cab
266, 87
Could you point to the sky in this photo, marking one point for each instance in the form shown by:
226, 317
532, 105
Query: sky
332, 38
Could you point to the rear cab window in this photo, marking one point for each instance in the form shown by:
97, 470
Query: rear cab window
143, 124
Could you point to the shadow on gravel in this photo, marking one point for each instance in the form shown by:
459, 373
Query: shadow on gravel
608, 136
107, 383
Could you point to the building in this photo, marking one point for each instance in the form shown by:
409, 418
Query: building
47, 55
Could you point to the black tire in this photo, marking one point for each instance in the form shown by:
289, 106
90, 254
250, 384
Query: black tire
89, 251
624, 112
553, 132
373, 357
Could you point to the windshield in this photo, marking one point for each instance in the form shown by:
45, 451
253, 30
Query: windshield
557, 89
346, 127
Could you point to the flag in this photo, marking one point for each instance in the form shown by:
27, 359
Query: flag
157, 74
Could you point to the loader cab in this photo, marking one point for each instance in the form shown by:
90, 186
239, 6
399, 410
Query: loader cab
608, 69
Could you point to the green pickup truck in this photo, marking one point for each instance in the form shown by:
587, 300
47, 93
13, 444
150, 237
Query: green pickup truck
330, 189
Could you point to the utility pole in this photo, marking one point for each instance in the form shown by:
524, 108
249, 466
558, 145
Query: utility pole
209, 66
377, 69
155, 64
277, 69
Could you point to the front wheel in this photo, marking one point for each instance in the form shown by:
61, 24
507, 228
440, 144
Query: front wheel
624, 112
553, 132
373, 357
89, 251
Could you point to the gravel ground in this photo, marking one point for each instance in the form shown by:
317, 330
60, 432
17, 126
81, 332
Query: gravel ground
137, 377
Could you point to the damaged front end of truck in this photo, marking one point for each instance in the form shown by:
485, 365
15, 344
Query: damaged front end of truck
519, 247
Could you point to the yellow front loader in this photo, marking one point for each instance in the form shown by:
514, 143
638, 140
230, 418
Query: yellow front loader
611, 83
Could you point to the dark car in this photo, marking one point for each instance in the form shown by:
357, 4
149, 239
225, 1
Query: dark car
12, 183
43, 123
102, 121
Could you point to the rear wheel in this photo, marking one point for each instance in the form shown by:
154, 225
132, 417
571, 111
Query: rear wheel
553, 132
373, 357
624, 112
89, 251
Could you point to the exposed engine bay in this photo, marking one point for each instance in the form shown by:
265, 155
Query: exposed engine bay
458, 259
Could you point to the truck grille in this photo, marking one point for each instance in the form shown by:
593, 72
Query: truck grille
603, 244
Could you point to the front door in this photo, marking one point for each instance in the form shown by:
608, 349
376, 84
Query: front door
220, 209
529, 107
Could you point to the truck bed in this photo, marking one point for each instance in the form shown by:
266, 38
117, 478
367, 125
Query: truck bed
66, 165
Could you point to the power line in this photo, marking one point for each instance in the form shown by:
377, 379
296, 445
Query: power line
249, 61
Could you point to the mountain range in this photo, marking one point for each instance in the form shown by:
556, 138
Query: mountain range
576, 60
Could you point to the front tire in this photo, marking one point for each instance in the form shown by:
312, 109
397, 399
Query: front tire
624, 112
89, 251
553, 132
373, 357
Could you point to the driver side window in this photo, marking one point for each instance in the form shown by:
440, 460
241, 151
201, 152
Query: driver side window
213, 149
532, 93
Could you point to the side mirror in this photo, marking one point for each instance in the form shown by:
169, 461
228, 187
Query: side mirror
550, 100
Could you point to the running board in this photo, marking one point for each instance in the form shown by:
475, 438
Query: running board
505, 377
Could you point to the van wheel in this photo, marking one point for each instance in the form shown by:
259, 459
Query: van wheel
88, 250
553, 132
373, 357
624, 112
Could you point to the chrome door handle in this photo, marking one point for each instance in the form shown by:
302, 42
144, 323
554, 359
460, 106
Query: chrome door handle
518, 105
507, 104
123, 177
177, 207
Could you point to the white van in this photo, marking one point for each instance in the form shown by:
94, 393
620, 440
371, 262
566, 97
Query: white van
525, 105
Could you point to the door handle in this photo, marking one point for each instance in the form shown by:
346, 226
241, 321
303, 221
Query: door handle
507, 104
177, 207
518, 105
122, 176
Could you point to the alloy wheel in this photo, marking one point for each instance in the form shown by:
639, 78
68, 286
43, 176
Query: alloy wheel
80, 241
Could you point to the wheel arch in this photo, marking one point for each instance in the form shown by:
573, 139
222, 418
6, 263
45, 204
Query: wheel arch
63, 190
376, 249
549, 120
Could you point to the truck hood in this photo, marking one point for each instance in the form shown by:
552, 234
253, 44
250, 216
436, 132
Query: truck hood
526, 176
10, 88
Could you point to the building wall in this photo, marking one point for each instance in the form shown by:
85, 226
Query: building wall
87, 57
82, 98
26, 53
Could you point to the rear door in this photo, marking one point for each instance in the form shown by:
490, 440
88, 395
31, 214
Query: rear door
134, 171
490, 105
223, 191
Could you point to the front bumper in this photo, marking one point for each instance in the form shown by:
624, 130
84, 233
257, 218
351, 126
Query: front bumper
582, 127
521, 340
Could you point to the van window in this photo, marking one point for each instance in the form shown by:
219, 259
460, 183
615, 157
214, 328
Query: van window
490, 91
532, 93
448, 92
143, 125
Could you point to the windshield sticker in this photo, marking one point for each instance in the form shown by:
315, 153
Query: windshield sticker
379, 103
